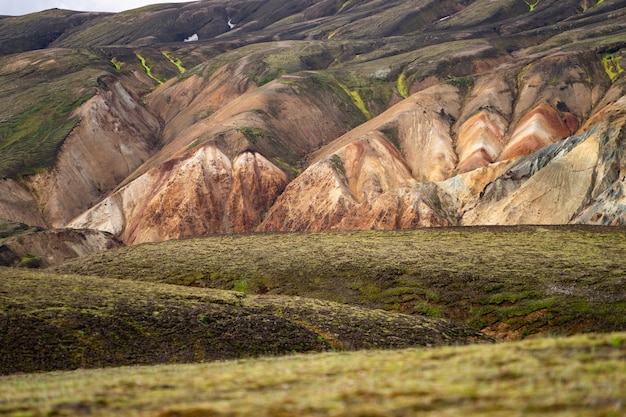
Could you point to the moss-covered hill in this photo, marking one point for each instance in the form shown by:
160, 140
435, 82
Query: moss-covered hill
509, 281
51, 322
583, 375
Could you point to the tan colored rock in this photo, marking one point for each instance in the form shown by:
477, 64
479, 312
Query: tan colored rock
422, 124
559, 184
115, 135
18, 204
55, 246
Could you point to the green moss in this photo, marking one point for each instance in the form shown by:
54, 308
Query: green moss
30, 140
31, 261
462, 83
401, 87
612, 65
393, 135
356, 99
147, 68
537, 278
286, 166
532, 6
521, 74
322, 81
582, 375
241, 286
337, 163
177, 62
117, 64
252, 134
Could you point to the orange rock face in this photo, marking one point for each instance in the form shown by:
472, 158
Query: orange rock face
540, 127
199, 194
480, 140
365, 185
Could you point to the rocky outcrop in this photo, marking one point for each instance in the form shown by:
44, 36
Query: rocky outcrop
18, 204
114, 136
364, 185
203, 192
41, 247
577, 180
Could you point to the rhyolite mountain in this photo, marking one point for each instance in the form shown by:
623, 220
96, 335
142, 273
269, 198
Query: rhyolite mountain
221, 116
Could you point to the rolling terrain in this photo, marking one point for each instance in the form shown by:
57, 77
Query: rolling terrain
311, 208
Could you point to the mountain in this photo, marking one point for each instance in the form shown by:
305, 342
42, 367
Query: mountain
212, 117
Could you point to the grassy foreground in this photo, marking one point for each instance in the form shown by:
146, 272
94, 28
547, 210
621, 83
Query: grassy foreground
508, 281
583, 375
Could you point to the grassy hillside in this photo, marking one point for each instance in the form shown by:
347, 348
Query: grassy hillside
576, 376
51, 322
38, 92
511, 281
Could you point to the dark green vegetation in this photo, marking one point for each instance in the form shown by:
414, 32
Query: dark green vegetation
576, 376
39, 90
513, 281
51, 322
37, 95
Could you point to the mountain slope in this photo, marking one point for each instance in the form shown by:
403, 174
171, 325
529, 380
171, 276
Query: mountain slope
325, 115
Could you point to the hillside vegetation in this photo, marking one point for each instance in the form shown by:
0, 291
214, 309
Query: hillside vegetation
53, 322
511, 282
583, 375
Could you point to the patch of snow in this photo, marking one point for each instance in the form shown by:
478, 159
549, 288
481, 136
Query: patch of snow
192, 38
382, 73
231, 24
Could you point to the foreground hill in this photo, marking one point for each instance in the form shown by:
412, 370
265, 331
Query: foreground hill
510, 282
582, 375
325, 115
53, 322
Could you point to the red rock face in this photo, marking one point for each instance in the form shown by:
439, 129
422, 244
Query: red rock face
365, 185
540, 127
199, 194
480, 140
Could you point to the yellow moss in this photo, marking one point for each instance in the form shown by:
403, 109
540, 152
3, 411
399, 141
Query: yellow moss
401, 87
357, 100
177, 62
147, 68
344, 5
117, 64
532, 6
612, 67
521, 75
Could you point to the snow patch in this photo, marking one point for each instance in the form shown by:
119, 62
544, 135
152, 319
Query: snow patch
192, 38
